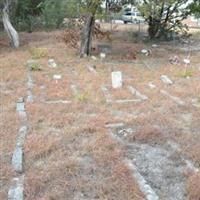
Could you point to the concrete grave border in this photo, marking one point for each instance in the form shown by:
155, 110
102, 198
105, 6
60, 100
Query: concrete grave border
109, 98
17, 184
149, 193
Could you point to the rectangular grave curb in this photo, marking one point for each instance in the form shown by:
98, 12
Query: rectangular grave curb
16, 191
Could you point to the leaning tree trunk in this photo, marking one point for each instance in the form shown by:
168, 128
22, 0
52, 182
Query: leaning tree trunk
87, 36
12, 33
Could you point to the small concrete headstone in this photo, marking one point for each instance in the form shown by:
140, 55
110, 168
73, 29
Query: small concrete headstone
154, 45
145, 52
57, 77
186, 61
165, 79
20, 104
116, 79
52, 63
151, 85
102, 56
94, 57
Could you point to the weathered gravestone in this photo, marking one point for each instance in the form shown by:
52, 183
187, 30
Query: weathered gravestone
116, 79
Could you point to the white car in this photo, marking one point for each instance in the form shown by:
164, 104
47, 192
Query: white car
132, 17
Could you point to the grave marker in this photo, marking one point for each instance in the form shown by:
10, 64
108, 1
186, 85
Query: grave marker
165, 79
102, 56
151, 85
20, 105
52, 63
116, 79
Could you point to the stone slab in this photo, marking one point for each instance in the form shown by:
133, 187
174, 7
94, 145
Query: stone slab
16, 191
116, 79
17, 159
137, 93
21, 137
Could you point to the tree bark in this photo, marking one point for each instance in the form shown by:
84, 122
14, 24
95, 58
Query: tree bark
87, 36
11, 32
153, 27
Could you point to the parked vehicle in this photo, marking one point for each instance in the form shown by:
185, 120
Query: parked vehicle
132, 17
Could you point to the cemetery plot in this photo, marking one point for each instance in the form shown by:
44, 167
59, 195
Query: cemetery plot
52, 87
120, 96
77, 149
157, 163
141, 144
119, 92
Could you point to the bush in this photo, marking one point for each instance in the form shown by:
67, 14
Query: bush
55, 11
38, 53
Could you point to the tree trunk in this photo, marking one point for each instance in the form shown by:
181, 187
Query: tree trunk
12, 33
153, 27
107, 11
87, 36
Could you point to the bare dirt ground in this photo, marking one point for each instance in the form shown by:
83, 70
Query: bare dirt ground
81, 146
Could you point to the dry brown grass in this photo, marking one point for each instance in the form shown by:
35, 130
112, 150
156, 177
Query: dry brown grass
40, 146
147, 134
68, 153
13, 86
193, 187
191, 146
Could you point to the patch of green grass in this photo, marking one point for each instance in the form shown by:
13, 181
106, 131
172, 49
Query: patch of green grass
185, 74
34, 66
38, 53
81, 97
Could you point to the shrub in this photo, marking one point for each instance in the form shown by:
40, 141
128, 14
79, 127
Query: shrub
38, 53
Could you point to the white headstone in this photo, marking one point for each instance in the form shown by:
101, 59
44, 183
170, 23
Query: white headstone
57, 76
116, 79
52, 63
165, 79
154, 45
186, 61
145, 52
102, 55
151, 85
94, 57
